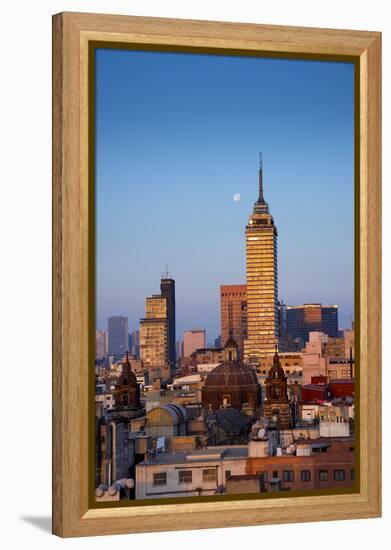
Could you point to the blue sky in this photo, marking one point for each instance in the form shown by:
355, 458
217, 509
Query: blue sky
177, 135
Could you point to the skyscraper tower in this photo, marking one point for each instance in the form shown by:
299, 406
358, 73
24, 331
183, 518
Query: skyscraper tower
118, 335
154, 337
233, 311
261, 270
167, 290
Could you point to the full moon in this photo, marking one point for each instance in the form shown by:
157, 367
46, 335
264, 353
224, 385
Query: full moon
236, 197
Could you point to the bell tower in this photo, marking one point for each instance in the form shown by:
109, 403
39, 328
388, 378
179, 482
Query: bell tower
231, 350
277, 409
127, 391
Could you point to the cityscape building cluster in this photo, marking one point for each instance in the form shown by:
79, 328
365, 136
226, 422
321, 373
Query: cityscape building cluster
268, 408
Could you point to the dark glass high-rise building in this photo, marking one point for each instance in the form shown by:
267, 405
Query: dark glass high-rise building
167, 290
301, 320
118, 335
135, 349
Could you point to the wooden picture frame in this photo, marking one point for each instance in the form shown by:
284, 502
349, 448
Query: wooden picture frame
72, 34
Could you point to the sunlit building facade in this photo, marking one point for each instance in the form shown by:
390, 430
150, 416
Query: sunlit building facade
101, 344
233, 311
262, 292
192, 340
154, 333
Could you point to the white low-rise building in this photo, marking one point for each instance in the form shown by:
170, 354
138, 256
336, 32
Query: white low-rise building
206, 367
195, 473
309, 412
106, 400
334, 421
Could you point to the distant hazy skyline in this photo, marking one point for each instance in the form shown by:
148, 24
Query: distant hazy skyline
177, 136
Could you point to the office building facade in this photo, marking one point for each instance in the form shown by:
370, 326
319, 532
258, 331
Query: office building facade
301, 320
118, 335
154, 333
262, 285
135, 344
233, 313
192, 340
101, 344
167, 290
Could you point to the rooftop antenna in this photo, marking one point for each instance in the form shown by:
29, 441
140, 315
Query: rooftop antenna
261, 199
166, 274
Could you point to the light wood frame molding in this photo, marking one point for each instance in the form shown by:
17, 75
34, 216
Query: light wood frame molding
72, 32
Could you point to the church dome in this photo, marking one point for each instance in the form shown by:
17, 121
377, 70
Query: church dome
231, 374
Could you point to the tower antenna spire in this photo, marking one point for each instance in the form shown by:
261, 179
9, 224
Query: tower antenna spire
166, 274
261, 198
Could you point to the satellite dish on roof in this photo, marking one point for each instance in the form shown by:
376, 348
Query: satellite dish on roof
261, 433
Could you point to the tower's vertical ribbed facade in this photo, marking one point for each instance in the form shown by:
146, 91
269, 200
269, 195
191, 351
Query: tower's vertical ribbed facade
262, 287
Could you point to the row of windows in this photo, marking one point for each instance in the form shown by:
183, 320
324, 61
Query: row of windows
299, 373
264, 337
265, 292
334, 374
186, 476
288, 476
323, 475
262, 299
261, 283
258, 320
268, 263
260, 233
268, 287
256, 274
332, 418
261, 270
259, 253
260, 288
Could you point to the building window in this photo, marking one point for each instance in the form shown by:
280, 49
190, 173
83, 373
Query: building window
323, 475
185, 476
288, 475
319, 449
209, 474
160, 479
352, 475
227, 474
339, 475
305, 475
275, 473
262, 476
